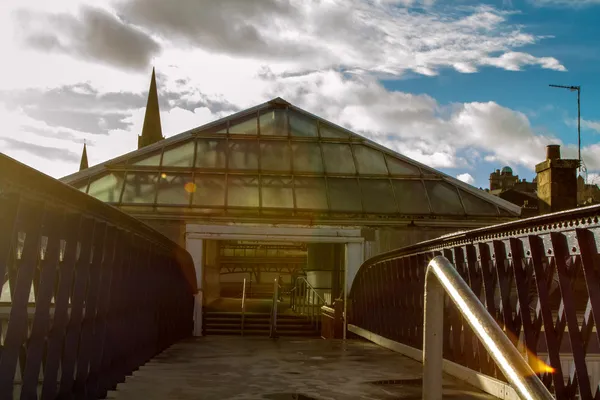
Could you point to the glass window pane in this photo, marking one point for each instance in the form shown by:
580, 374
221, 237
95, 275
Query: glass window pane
243, 154
247, 127
140, 187
242, 191
277, 191
331, 132
107, 188
302, 126
152, 160
377, 196
211, 153
181, 156
81, 185
411, 197
444, 198
175, 189
399, 167
273, 123
338, 158
275, 156
210, 190
370, 161
311, 193
344, 194
476, 206
307, 157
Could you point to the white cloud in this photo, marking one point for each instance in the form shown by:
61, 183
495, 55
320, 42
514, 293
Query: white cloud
565, 3
466, 177
592, 125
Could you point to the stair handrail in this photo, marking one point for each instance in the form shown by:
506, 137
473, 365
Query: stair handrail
307, 309
273, 327
442, 278
243, 307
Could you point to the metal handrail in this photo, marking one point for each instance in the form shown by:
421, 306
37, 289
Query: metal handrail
303, 289
243, 307
273, 327
441, 277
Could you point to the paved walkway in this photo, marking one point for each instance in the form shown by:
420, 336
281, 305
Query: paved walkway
219, 367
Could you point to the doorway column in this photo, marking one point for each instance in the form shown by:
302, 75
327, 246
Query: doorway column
196, 249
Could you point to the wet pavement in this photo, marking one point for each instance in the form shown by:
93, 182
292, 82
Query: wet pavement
221, 367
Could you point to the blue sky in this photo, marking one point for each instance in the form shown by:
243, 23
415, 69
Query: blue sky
573, 37
459, 85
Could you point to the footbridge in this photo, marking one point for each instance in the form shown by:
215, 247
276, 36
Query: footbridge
96, 304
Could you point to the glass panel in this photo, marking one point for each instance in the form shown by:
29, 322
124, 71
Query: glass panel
152, 161
277, 191
140, 187
211, 153
273, 123
210, 190
369, 161
302, 126
181, 156
243, 154
175, 189
311, 193
399, 167
476, 206
244, 128
81, 185
242, 191
344, 194
338, 158
411, 197
107, 188
444, 198
377, 196
307, 157
275, 156
331, 132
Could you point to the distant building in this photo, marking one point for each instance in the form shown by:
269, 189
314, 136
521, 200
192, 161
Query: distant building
556, 186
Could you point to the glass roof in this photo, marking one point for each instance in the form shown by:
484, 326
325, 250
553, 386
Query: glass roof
278, 158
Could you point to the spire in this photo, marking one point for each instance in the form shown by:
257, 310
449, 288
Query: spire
152, 131
84, 161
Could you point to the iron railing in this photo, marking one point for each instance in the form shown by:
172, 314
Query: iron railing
306, 300
537, 277
90, 293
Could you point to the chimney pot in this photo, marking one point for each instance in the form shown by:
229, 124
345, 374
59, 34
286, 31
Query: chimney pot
553, 152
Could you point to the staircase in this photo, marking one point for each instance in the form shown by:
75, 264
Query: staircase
258, 324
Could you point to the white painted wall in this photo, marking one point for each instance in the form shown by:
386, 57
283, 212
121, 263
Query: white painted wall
196, 249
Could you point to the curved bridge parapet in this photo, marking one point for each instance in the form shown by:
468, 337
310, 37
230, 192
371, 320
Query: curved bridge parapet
538, 277
88, 293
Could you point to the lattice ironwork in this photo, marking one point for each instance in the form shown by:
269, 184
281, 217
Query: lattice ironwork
88, 293
538, 278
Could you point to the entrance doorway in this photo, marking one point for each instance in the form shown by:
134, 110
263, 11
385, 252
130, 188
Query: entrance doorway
319, 260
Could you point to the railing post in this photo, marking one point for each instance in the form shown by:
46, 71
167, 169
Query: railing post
273, 333
433, 338
243, 307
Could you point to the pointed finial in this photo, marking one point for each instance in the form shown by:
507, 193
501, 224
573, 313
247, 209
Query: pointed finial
152, 130
84, 159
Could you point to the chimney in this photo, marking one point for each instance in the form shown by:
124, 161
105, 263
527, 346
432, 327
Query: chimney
556, 182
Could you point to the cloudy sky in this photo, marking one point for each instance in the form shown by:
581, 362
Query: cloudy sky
460, 85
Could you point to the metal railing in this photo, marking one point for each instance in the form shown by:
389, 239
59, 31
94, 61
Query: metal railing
537, 277
108, 292
306, 300
243, 307
442, 278
273, 322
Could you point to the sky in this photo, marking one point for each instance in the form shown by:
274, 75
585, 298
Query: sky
459, 85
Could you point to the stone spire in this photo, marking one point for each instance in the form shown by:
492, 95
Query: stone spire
84, 161
152, 131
